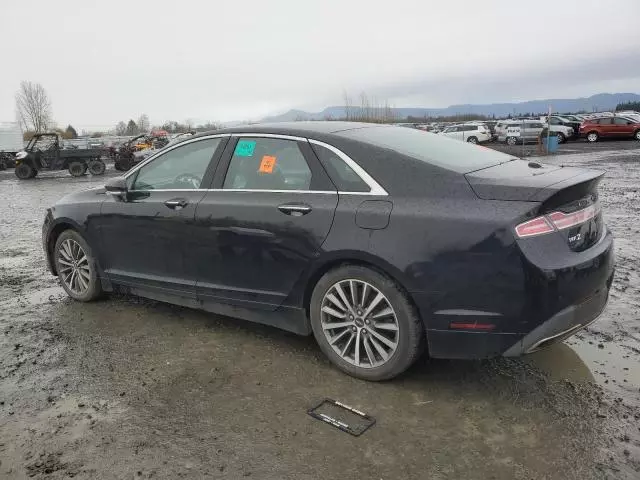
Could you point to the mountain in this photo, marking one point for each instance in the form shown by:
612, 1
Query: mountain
600, 102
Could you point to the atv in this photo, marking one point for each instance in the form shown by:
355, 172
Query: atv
125, 156
44, 152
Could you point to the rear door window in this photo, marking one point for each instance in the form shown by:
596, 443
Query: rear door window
620, 121
267, 164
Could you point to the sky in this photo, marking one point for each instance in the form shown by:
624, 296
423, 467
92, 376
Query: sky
106, 61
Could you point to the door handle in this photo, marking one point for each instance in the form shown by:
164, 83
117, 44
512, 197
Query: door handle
295, 210
176, 203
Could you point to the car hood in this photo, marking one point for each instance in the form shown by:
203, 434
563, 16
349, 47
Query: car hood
523, 180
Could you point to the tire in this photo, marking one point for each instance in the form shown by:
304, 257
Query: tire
97, 167
636, 135
70, 248
409, 337
512, 141
24, 171
592, 137
77, 169
472, 140
561, 138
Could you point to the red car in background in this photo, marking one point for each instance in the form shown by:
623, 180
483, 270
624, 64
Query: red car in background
610, 127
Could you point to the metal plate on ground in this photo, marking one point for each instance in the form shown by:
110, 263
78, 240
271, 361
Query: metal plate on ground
342, 416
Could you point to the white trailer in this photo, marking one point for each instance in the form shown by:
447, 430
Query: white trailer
10, 143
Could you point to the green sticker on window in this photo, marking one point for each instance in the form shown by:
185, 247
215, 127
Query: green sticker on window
245, 148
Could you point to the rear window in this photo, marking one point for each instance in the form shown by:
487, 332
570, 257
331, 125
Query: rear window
444, 152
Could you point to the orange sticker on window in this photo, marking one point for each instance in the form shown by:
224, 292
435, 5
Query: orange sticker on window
267, 164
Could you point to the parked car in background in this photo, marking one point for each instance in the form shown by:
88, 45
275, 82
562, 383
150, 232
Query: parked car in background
610, 127
564, 132
557, 120
383, 242
500, 128
467, 132
521, 131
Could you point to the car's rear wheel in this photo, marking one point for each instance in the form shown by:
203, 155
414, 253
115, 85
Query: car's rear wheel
24, 171
76, 267
365, 323
97, 167
77, 169
472, 140
512, 140
592, 137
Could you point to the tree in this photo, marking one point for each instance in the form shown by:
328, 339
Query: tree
143, 123
70, 132
121, 128
628, 106
33, 106
132, 128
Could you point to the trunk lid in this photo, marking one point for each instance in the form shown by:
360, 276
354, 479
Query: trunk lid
567, 196
528, 181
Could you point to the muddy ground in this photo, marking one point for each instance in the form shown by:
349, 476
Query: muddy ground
129, 388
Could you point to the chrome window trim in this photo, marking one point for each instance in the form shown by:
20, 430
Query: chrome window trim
270, 135
322, 192
376, 188
163, 151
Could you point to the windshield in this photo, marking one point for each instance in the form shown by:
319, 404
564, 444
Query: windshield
444, 152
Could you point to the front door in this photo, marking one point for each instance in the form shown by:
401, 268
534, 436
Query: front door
265, 221
622, 127
143, 234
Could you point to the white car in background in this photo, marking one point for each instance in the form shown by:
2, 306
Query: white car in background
468, 132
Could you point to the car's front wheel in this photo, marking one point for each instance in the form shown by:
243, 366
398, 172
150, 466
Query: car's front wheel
472, 140
365, 323
76, 267
561, 138
637, 135
592, 137
512, 140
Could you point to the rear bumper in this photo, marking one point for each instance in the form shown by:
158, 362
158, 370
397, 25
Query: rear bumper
478, 345
562, 325
511, 315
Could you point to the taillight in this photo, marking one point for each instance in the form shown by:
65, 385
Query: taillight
568, 220
531, 228
555, 221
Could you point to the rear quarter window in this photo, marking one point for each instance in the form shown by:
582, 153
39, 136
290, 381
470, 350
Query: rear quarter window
437, 150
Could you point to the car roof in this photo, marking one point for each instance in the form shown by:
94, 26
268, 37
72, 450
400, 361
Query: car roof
301, 129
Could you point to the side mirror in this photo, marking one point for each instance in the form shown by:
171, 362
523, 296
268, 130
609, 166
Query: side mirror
117, 187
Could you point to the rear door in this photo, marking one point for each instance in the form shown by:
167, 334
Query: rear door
263, 222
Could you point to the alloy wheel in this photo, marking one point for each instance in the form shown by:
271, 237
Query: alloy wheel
359, 323
592, 137
638, 135
74, 266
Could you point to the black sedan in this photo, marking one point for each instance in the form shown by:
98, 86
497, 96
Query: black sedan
380, 240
